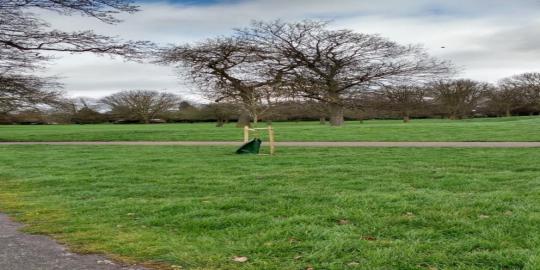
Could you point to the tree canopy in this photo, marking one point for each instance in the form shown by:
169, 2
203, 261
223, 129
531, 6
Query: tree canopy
304, 59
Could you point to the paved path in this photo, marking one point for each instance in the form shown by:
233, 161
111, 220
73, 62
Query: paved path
302, 144
20, 251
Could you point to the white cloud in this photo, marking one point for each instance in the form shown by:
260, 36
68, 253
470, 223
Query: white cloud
489, 39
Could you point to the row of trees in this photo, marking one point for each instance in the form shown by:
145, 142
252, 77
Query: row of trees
453, 99
134, 106
461, 98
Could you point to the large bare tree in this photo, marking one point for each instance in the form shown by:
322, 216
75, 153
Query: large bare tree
141, 105
334, 66
229, 69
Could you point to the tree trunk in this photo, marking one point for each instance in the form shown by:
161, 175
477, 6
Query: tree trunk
219, 123
360, 118
508, 113
243, 120
322, 120
255, 119
406, 119
336, 115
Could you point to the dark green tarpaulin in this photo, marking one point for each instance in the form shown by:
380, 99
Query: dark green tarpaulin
251, 147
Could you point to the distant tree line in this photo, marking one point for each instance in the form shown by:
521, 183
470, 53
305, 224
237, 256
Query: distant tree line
452, 99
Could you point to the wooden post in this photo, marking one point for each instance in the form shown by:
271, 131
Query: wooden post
246, 134
271, 140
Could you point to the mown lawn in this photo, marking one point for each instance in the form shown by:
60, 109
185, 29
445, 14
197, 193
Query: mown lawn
325, 208
492, 129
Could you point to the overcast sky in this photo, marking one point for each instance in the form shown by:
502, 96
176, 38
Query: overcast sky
487, 39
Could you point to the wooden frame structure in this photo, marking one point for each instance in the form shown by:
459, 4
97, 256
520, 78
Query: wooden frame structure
271, 138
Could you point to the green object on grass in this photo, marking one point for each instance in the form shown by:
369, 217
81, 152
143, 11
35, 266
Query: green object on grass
251, 147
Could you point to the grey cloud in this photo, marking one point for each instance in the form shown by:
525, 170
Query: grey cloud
490, 39
522, 39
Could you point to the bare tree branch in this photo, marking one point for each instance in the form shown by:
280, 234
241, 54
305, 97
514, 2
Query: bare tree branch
18, 92
24, 38
103, 10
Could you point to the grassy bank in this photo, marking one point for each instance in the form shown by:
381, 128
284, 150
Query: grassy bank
198, 207
494, 129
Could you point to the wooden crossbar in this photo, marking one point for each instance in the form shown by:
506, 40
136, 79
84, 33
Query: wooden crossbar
271, 139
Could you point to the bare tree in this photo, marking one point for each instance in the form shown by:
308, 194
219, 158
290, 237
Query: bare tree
334, 66
506, 98
19, 92
527, 85
405, 99
25, 37
318, 109
222, 112
230, 70
81, 110
142, 105
458, 98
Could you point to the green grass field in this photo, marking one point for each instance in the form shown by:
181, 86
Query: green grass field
326, 208
493, 129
